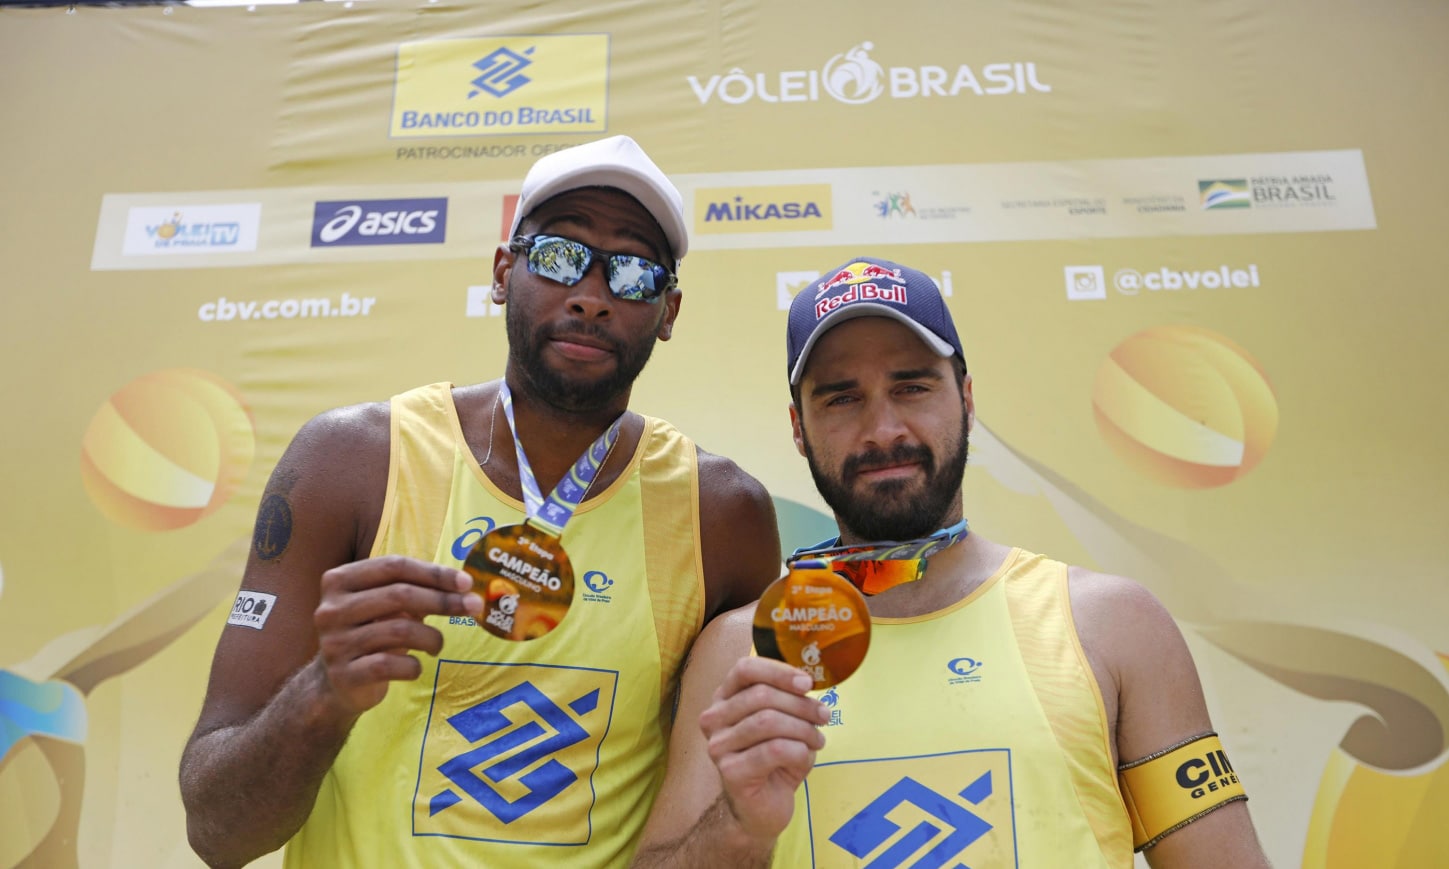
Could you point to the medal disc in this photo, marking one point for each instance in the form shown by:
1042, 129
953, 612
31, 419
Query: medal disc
814, 620
525, 579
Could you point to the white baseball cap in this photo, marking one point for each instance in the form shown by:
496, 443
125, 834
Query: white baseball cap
616, 162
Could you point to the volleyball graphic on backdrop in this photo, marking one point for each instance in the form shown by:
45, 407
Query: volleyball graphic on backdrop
167, 449
1185, 406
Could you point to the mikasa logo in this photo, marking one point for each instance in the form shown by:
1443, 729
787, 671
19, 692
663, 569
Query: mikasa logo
772, 208
855, 77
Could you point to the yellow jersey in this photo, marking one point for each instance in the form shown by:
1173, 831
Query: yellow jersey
971, 736
544, 752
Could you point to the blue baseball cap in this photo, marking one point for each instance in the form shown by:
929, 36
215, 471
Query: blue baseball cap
869, 287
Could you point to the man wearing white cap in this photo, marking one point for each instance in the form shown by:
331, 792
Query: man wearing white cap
594, 544
1012, 711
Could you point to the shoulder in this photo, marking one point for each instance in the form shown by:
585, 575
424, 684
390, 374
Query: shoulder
1142, 662
340, 454
345, 434
1117, 618
723, 483
1106, 602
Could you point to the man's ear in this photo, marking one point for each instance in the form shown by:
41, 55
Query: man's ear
502, 267
970, 400
672, 300
796, 430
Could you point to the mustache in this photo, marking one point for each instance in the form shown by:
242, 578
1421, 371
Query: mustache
897, 455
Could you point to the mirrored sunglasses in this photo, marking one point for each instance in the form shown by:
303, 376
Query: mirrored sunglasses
875, 567
566, 261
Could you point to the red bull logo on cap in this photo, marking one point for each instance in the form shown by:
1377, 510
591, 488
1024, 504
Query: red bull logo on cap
861, 293
857, 273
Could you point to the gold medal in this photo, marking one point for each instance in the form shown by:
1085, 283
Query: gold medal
815, 620
525, 579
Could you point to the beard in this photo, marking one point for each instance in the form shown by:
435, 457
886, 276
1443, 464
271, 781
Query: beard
890, 511
525, 346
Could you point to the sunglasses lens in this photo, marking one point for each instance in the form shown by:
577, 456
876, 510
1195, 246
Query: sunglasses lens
874, 577
559, 259
636, 278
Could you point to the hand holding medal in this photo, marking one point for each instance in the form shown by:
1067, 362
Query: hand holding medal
815, 617
522, 571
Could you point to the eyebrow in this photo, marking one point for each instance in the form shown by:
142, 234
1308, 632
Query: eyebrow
898, 376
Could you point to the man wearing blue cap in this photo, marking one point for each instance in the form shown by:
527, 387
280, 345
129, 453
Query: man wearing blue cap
1012, 711
596, 542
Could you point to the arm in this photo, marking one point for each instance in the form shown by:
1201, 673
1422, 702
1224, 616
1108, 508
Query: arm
339, 630
731, 781
740, 541
1154, 699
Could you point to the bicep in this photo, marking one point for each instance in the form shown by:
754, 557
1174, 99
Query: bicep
691, 782
1160, 697
1224, 838
306, 523
1159, 703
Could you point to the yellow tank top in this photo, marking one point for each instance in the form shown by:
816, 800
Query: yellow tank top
972, 736
545, 752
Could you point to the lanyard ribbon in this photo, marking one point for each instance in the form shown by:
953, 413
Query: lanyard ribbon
553, 513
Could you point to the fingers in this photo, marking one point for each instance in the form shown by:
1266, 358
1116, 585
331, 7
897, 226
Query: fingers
386, 569
363, 591
396, 636
755, 670
762, 701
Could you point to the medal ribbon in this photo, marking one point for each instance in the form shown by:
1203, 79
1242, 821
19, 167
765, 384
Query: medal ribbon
552, 513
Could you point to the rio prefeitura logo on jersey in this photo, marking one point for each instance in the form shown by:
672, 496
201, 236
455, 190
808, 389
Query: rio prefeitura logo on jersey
505, 85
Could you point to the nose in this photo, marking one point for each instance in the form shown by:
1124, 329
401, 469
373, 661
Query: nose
590, 298
883, 423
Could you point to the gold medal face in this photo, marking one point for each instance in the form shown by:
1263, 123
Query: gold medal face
814, 620
525, 579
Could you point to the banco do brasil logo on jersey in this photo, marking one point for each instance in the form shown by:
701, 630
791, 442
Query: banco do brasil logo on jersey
937, 811
515, 764
501, 86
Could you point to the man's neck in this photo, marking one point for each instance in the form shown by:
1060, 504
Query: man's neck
553, 437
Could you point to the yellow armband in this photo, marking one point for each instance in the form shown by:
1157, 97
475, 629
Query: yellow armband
1169, 789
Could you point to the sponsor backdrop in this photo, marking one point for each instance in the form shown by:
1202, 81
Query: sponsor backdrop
1195, 255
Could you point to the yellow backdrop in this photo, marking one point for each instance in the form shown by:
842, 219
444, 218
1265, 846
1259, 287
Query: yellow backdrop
1195, 254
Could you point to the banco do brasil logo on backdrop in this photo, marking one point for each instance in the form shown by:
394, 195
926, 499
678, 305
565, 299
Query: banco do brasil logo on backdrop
855, 77
501, 86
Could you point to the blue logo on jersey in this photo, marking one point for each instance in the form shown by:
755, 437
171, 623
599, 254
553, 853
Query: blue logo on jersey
963, 666
465, 541
502, 72
490, 717
830, 698
870, 829
598, 581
